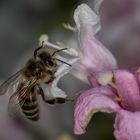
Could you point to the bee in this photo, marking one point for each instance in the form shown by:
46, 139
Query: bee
25, 85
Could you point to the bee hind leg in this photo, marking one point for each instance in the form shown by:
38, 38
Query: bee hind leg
58, 100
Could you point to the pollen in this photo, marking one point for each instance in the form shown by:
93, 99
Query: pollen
105, 78
116, 98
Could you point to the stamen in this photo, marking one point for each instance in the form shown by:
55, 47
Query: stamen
69, 27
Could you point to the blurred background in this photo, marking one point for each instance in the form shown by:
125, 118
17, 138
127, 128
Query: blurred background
22, 22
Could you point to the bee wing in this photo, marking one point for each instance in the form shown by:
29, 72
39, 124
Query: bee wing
10, 85
18, 98
14, 103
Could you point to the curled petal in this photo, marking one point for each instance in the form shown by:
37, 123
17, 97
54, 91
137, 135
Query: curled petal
89, 102
93, 80
100, 78
127, 125
94, 56
137, 74
97, 4
128, 89
84, 15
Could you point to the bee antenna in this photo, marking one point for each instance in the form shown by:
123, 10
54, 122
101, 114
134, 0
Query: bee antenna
37, 49
63, 62
58, 51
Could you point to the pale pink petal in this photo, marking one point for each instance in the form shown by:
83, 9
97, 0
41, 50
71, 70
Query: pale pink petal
100, 78
137, 74
95, 57
93, 80
84, 15
104, 90
128, 90
89, 102
127, 125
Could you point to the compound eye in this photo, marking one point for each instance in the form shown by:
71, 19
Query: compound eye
50, 63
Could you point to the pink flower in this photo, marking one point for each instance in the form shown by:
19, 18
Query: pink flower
121, 95
94, 56
113, 90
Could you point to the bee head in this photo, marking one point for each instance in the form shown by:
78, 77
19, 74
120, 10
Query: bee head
47, 59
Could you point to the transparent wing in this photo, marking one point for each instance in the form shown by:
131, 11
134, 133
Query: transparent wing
11, 84
18, 98
15, 104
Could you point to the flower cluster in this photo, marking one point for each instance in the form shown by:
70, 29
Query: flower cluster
113, 90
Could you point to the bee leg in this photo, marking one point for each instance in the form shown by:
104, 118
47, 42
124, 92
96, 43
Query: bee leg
51, 101
52, 77
54, 101
60, 100
40, 91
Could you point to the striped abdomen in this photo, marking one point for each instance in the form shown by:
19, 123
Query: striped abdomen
30, 107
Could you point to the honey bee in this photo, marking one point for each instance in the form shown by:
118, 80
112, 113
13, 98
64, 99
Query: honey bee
24, 86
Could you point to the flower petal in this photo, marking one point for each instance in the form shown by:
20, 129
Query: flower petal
96, 5
88, 103
84, 15
101, 78
127, 125
137, 74
95, 57
128, 90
